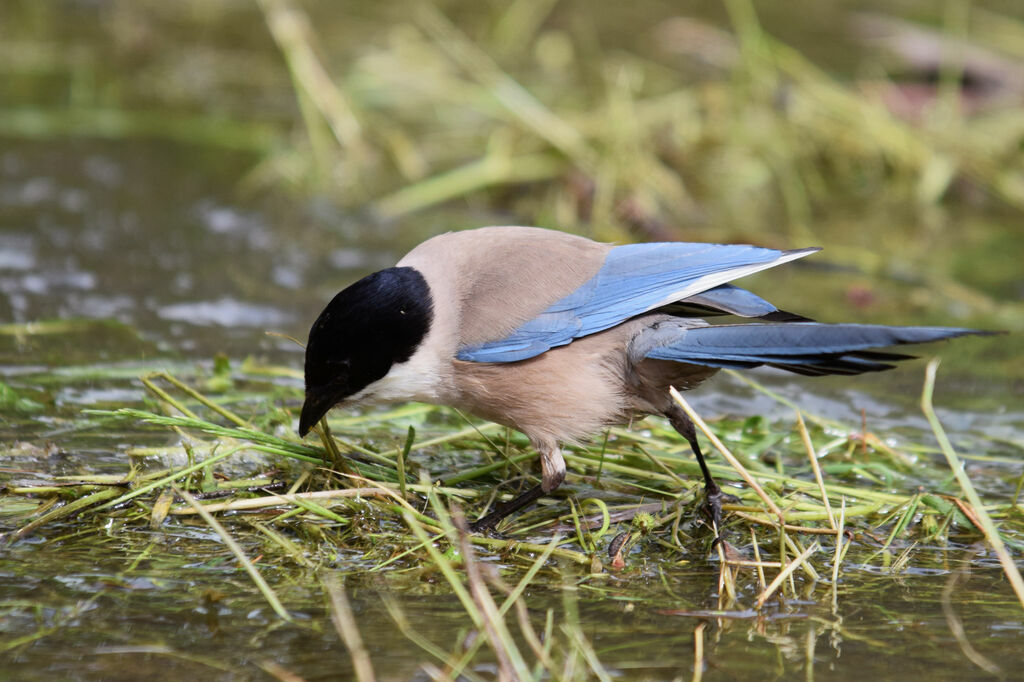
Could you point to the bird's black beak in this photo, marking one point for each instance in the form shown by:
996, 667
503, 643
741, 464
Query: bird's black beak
313, 410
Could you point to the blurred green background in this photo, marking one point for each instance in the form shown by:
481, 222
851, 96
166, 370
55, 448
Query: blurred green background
891, 134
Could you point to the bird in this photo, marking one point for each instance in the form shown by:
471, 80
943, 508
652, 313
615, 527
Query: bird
559, 336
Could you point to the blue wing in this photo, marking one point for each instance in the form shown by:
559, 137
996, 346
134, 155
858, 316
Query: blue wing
727, 299
635, 279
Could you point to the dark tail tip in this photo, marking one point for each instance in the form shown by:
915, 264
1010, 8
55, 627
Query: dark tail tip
784, 316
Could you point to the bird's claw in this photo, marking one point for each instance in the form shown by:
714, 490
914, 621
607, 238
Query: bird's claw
484, 526
713, 499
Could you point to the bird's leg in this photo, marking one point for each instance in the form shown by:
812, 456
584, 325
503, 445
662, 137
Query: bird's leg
553, 468
713, 495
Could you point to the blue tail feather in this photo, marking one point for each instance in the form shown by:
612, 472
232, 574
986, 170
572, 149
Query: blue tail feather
801, 347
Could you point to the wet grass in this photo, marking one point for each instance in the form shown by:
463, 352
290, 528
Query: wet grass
385, 496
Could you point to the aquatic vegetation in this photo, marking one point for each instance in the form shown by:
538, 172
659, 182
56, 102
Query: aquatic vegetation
827, 499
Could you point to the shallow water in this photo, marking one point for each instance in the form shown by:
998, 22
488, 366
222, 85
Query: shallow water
120, 256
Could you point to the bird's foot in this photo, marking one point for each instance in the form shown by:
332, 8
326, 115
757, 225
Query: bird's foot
487, 523
484, 526
713, 499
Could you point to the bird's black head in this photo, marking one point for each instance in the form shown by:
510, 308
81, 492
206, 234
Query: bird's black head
375, 323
